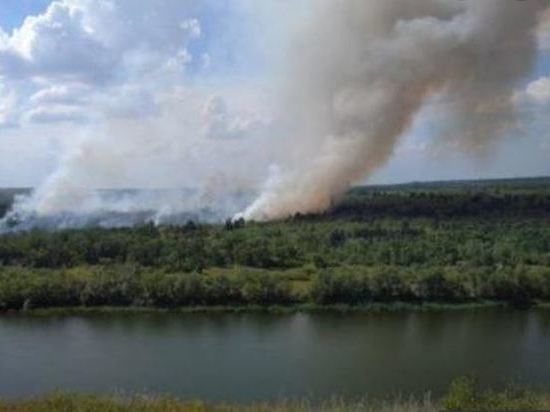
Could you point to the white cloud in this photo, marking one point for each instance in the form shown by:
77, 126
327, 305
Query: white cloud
8, 111
81, 52
179, 61
56, 44
120, 86
55, 113
3, 37
192, 27
206, 61
539, 90
73, 94
127, 101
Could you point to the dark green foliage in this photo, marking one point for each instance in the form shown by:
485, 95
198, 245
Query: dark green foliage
457, 242
464, 395
131, 286
290, 244
359, 285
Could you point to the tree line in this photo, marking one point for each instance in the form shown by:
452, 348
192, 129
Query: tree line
128, 285
374, 246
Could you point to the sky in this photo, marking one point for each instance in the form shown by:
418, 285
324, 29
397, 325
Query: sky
74, 71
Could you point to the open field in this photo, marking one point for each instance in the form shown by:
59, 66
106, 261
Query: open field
436, 243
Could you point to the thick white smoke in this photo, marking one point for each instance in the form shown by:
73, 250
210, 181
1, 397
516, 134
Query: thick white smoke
362, 69
187, 162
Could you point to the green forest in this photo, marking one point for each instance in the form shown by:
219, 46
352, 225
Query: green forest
443, 243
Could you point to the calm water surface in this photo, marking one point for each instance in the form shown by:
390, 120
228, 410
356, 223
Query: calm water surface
245, 357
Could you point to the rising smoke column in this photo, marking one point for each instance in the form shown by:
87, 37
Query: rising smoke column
362, 69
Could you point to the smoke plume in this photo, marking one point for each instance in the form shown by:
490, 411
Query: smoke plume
361, 70
185, 163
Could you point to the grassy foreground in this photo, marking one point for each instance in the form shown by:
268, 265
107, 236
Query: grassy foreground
462, 395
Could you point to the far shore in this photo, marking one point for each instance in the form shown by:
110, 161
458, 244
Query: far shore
396, 307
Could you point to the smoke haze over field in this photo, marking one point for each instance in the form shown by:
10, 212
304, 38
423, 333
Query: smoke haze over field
260, 120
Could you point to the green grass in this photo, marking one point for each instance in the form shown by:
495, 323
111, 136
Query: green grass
463, 394
84, 403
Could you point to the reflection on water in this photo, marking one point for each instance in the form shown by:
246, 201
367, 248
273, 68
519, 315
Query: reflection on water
243, 357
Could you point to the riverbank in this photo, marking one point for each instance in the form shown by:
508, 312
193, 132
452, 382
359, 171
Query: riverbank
462, 395
297, 308
237, 289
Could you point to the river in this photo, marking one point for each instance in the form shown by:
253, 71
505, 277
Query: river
260, 356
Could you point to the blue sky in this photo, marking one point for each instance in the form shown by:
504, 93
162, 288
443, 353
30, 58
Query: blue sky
47, 105
542, 66
13, 12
